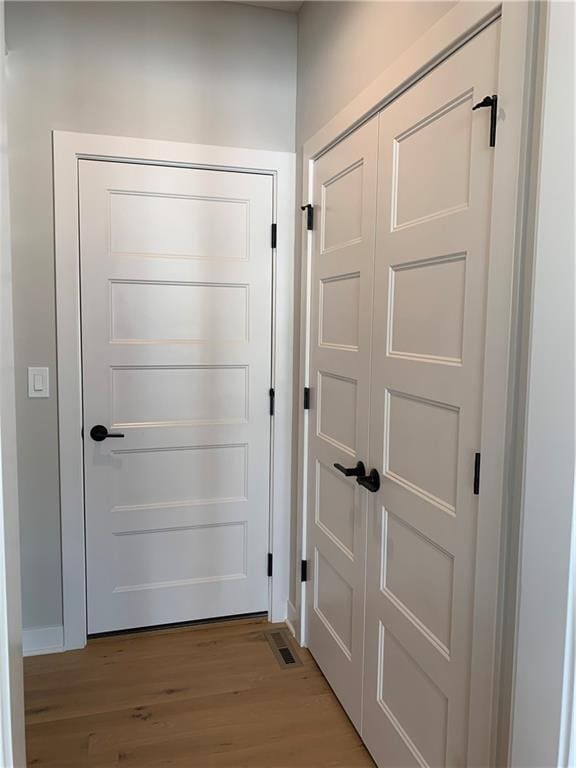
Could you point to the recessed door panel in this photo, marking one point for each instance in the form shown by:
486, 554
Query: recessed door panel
416, 708
342, 208
335, 507
427, 599
333, 603
431, 163
337, 406
201, 394
158, 312
178, 475
156, 559
427, 309
421, 446
170, 226
340, 312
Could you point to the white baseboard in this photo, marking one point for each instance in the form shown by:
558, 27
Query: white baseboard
41, 640
292, 620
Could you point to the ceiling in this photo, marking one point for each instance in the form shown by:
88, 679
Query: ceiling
277, 6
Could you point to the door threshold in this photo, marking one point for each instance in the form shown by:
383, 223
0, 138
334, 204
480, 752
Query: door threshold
182, 625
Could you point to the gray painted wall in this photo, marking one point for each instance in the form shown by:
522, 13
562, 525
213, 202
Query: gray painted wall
217, 73
342, 48
213, 73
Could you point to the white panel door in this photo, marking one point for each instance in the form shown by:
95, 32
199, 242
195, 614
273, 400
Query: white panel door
342, 270
434, 193
176, 270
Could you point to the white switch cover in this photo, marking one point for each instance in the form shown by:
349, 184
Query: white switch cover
38, 382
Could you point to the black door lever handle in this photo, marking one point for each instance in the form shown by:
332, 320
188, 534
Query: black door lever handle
99, 433
356, 471
371, 482
492, 103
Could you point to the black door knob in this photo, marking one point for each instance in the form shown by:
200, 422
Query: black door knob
99, 433
356, 471
371, 481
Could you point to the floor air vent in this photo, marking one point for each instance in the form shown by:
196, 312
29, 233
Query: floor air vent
279, 642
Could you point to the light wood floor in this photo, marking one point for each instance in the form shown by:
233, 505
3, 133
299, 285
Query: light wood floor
203, 696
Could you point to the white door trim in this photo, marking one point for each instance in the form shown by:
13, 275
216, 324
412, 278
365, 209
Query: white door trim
68, 148
507, 230
12, 736
544, 693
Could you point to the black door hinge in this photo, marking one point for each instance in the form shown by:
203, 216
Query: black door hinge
274, 237
492, 103
306, 398
309, 208
269, 568
476, 474
272, 396
304, 570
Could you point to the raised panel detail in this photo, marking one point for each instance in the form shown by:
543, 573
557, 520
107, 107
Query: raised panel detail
342, 209
337, 411
339, 311
191, 395
178, 226
431, 167
192, 312
335, 507
415, 706
424, 592
427, 309
161, 558
179, 476
333, 598
421, 446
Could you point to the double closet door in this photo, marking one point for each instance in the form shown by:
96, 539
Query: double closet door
399, 280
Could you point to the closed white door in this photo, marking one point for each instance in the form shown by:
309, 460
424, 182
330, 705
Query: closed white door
342, 273
176, 270
435, 177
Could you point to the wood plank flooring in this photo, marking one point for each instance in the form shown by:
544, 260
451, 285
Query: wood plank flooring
203, 696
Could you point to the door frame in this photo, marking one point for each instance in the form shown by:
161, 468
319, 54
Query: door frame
543, 696
12, 735
68, 149
499, 443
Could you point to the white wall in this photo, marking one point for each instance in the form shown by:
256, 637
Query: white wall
214, 73
544, 666
342, 48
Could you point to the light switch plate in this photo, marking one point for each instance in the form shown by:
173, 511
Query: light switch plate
38, 382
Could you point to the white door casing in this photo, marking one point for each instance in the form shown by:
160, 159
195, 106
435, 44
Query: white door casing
342, 269
12, 726
432, 254
176, 278
68, 150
